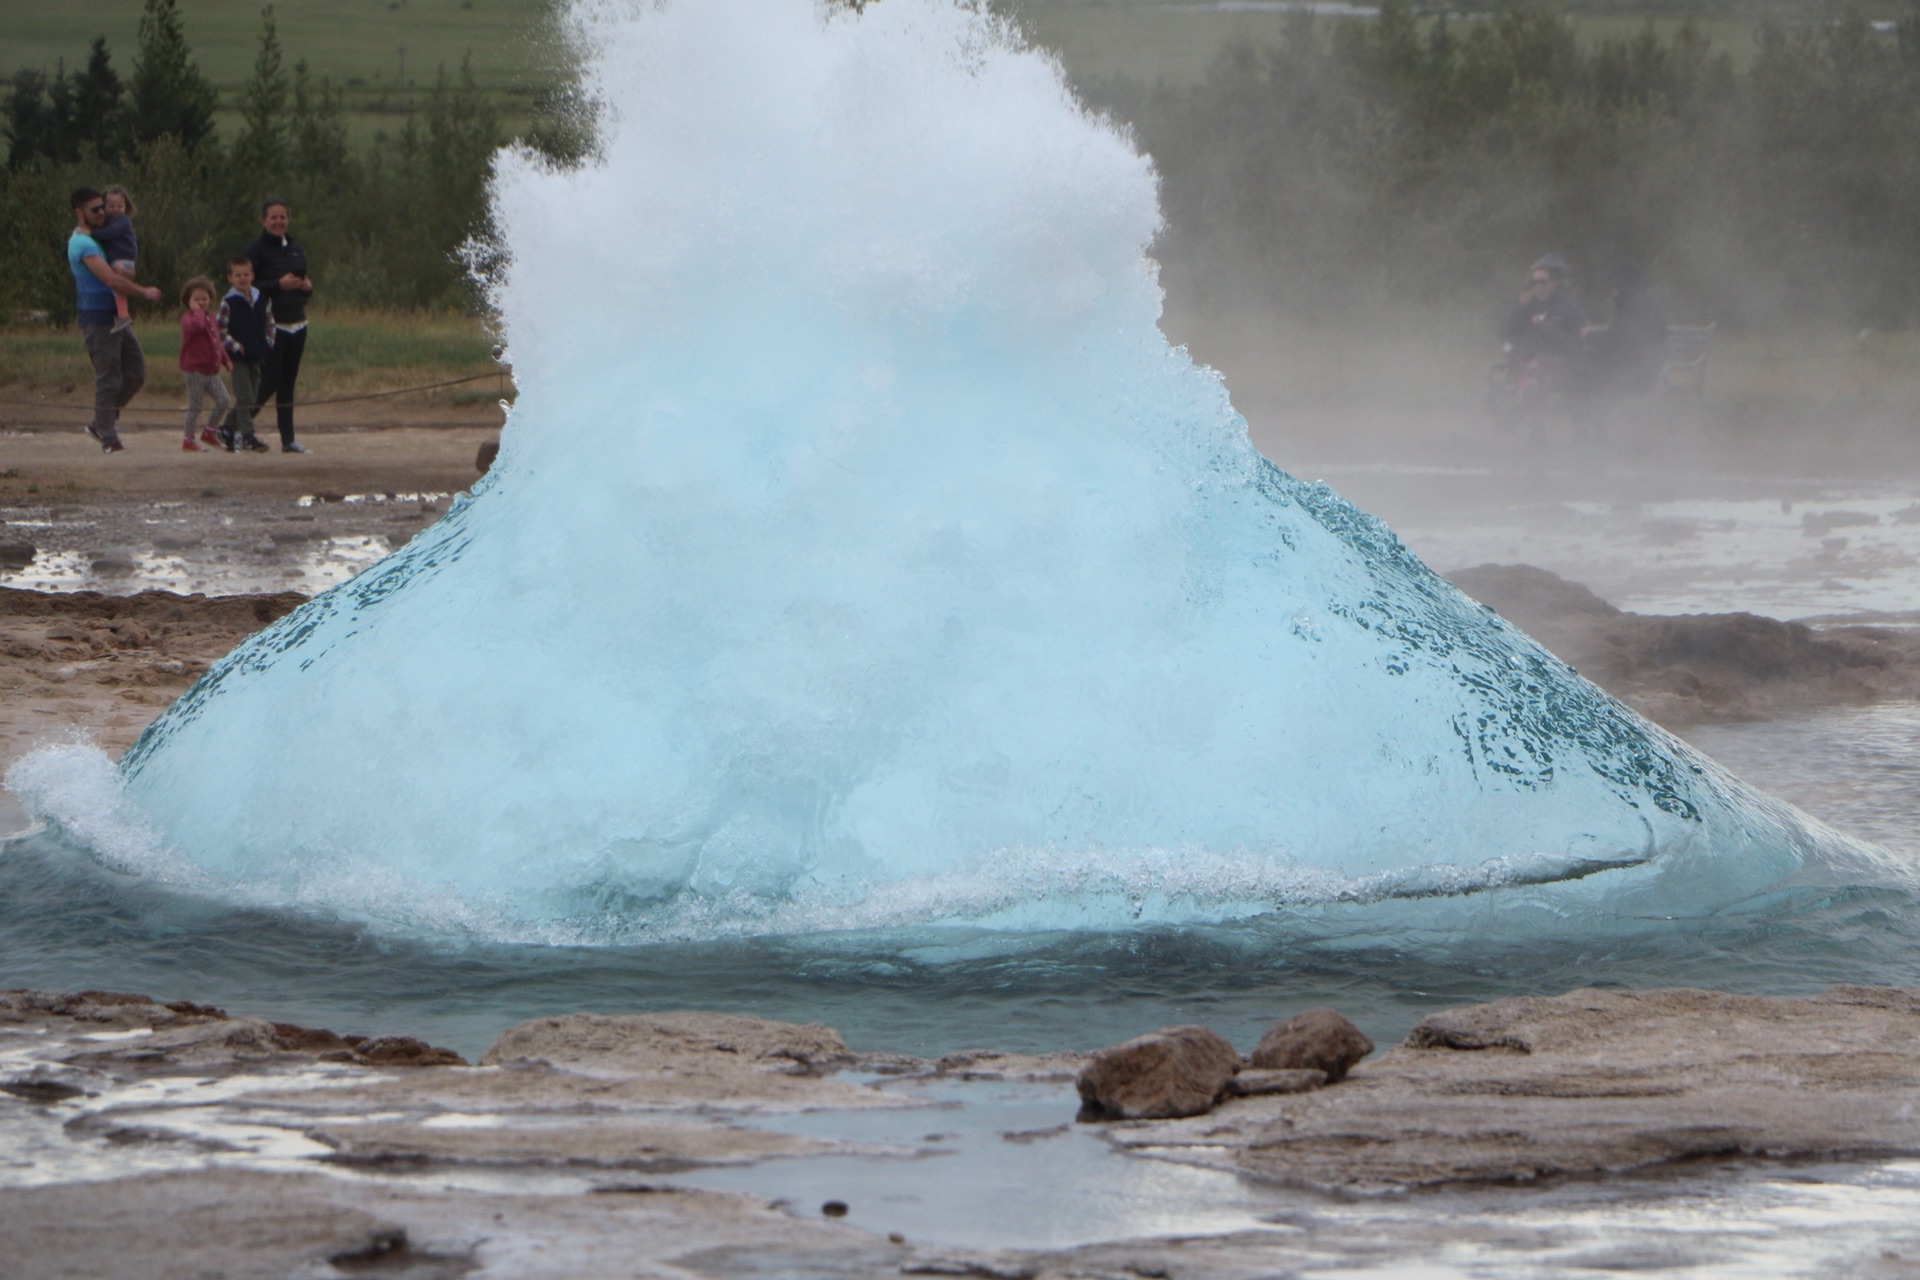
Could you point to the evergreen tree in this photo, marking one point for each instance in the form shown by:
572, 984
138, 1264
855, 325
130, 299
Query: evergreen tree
170, 96
99, 106
318, 136
29, 122
261, 150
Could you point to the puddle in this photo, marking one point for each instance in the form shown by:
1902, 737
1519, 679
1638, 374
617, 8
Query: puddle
306, 565
1005, 1168
354, 499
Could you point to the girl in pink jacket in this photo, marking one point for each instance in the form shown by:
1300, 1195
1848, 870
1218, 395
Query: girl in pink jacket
202, 357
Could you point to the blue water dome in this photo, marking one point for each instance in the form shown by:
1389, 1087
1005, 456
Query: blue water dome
860, 554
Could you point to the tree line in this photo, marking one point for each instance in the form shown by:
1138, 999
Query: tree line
1421, 161
383, 222
1412, 161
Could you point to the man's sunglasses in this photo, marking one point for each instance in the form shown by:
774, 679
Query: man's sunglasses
94, 208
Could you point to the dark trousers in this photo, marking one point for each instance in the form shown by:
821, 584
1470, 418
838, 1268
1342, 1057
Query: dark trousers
246, 398
278, 374
119, 371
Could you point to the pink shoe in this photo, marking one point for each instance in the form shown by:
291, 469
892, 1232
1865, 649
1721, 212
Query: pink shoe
209, 436
188, 445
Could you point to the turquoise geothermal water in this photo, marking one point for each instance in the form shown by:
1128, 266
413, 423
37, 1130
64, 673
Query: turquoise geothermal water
872, 617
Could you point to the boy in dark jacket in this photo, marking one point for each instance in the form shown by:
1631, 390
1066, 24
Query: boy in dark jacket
246, 327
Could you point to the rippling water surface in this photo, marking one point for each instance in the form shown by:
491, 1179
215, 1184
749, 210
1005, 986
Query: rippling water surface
68, 923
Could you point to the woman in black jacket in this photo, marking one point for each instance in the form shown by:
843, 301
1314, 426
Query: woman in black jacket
280, 271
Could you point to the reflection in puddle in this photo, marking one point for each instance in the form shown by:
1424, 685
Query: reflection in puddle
286, 563
969, 1175
992, 1165
318, 499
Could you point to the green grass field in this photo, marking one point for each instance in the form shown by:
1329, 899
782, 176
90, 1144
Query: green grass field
357, 42
382, 54
349, 352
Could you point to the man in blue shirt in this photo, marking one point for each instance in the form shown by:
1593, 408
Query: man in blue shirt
119, 366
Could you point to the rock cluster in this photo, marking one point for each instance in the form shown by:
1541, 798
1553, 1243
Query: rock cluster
182, 1032
1592, 1082
1186, 1071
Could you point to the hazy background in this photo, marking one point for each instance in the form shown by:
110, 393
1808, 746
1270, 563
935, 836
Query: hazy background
1352, 193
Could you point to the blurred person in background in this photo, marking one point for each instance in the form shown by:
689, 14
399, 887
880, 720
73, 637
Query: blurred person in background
1541, 337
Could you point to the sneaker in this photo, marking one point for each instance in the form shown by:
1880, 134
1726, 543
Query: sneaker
122, 322
253, 444
209, 436
108, 443
294, 447
229, 441
189, 446
113, 446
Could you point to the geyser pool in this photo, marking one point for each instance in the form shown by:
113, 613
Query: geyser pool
861, 557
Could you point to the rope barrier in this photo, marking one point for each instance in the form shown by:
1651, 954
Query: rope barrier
87, 406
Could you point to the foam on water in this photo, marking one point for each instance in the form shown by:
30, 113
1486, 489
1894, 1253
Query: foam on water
860, 555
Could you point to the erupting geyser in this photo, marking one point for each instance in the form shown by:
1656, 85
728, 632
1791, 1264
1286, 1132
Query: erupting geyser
860, 553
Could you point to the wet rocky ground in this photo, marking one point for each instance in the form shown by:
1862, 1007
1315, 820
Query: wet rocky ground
173, 1140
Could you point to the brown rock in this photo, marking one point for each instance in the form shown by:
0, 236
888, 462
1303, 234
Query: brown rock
1317, 1040
483, 459
405, 1051
592, 1043
1255, 1082
1175, 1071
318, 1041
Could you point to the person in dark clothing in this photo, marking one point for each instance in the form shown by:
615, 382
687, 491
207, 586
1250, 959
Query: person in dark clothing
1541, 338
117, 240
1545, 320
1622, 359
280, 272
246, 329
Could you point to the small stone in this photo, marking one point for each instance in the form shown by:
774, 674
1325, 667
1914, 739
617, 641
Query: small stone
1252, 1082
1175, 1071
403, 1051
484, 458
17, 555
1318, 1040
834, 1208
